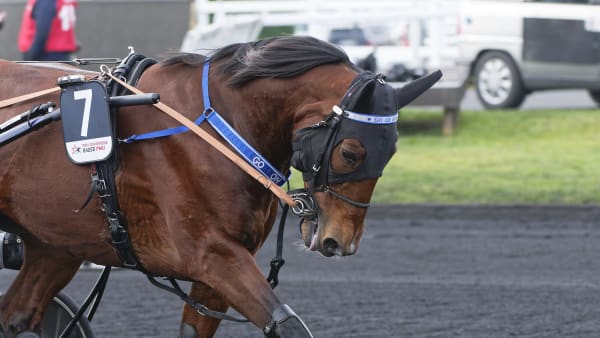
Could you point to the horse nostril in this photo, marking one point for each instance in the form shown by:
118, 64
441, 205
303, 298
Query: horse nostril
331, 245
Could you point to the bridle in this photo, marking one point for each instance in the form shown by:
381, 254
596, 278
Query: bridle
314, 161
319, 182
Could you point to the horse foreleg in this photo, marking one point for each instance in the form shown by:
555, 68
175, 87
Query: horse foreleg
193, 325
230, 269
44, 273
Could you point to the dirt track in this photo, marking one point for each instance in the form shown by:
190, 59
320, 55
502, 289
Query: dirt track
421, 271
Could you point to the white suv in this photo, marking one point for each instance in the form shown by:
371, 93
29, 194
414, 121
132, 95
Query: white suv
514, 47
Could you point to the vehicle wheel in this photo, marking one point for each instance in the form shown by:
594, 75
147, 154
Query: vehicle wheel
595, 95
58, 315
498, 82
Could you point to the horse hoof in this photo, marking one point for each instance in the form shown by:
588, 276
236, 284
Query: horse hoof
292, 327
28, 334
187, 331
287, 324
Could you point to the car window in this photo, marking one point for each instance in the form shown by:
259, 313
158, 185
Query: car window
348, 36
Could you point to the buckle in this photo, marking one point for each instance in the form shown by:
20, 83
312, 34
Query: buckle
306, 206
208, 112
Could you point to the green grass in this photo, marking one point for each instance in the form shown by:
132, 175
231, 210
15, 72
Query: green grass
507, 157
499, 157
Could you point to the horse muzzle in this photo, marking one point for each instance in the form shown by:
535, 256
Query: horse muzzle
326, 243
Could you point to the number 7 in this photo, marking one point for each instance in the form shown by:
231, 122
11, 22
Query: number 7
87, 107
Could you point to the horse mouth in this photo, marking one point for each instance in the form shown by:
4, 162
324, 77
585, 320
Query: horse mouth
310, 240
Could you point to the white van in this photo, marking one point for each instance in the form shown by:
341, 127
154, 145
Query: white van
514, 47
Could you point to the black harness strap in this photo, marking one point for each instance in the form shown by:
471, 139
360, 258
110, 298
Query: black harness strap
117, 224
103, 183
95, 295
278, 261
139, 69
106, 186
103, 175
200, 308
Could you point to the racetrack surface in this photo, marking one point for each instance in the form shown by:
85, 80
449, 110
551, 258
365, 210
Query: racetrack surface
421, 271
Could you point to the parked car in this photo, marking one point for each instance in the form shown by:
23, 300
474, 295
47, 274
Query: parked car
354, 36
515, 47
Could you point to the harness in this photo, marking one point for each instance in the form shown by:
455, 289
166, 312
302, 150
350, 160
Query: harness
103, 172
131, 68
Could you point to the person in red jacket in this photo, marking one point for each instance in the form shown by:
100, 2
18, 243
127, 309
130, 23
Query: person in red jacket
48, 30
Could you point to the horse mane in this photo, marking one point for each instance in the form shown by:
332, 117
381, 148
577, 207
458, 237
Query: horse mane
275, 57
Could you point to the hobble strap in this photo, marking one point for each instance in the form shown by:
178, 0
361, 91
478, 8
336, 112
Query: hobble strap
175, 289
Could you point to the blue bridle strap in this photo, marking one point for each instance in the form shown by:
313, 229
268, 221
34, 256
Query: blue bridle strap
209, 114
205, 96
243, 148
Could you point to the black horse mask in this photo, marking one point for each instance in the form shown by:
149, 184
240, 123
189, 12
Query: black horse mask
368, 113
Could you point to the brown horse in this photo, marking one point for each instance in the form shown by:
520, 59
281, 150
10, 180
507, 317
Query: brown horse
192, 214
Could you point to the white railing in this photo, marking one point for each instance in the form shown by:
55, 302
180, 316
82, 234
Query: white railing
215, 19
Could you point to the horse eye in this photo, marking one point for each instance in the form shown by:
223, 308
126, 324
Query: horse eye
350, 157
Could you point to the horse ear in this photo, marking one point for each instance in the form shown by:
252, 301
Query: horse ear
362, 100
414, 89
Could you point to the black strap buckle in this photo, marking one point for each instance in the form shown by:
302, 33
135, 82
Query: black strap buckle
276, 264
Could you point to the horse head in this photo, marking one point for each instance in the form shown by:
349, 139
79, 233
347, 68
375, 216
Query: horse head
342, 157
341, 151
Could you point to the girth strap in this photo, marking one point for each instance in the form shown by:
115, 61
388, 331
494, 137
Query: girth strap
117, 224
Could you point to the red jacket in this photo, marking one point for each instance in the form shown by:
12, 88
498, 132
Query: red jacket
61, 37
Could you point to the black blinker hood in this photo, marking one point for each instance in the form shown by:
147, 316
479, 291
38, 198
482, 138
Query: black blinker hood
373, 101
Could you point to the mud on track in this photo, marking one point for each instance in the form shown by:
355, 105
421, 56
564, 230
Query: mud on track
421, 271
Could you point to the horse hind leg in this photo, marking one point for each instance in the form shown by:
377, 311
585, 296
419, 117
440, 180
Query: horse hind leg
45, 271
194, 325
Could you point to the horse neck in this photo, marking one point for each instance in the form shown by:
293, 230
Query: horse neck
259, 114
268, 111
320, 89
